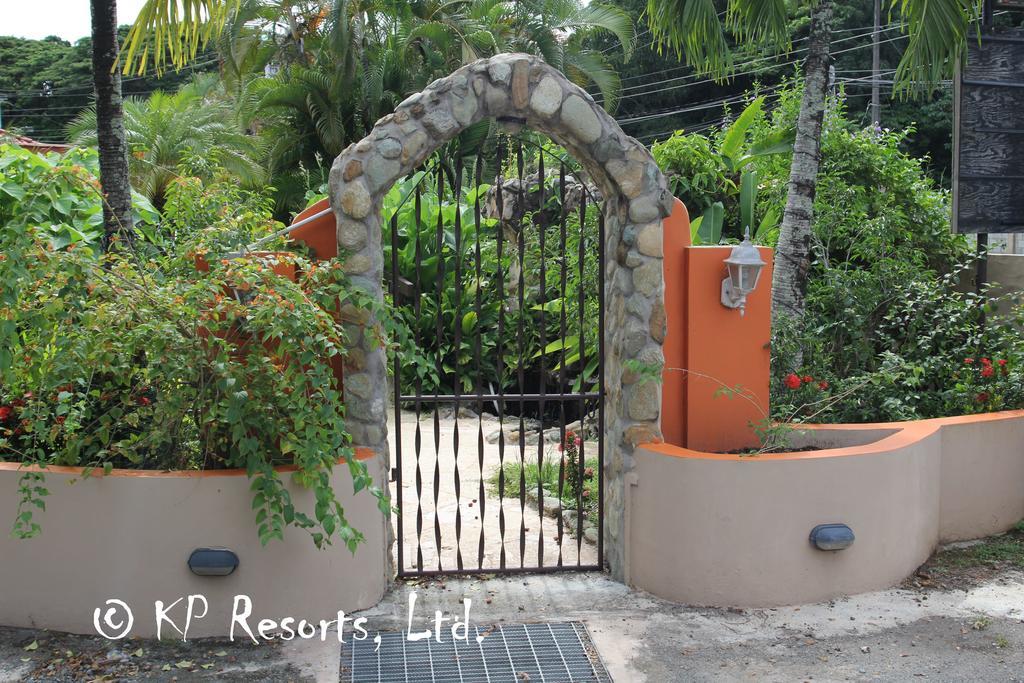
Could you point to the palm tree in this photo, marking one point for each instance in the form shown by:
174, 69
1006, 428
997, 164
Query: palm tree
429, 38
342, 64
693, 29
117, 205
161, 131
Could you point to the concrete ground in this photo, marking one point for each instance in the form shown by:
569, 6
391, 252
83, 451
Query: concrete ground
895, 635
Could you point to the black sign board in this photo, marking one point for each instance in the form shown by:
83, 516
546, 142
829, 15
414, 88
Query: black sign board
988, 135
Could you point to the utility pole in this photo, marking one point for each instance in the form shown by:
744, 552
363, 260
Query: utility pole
3, 98
876, 67
981, 274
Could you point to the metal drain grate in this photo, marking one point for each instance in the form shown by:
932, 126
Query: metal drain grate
509, 653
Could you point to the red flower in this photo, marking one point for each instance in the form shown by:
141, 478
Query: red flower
987, 371
1002, 362
823, 385
982, 397
588, 473
6, 412
986, 361
60, 419
968, 361
792, 381
144, 401
807, 379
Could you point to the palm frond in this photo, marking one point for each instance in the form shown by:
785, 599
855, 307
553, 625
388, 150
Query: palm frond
759, 21
591, 66
938, 31
611, 19
173, 30
693, 30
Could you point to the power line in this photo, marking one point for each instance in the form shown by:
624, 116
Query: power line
66, 91
685, 85
759, 70
700, 106
868, 30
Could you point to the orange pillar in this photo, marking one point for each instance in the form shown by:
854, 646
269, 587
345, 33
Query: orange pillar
710, 350
675, 240
725, 353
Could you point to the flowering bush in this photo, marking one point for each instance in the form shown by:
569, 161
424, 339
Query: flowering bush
984, 386
575, 476
134, 359
799, 397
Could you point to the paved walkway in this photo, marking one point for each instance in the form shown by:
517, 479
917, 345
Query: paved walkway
896, 635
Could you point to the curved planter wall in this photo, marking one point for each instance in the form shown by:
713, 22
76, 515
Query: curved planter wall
725, 530
128, 536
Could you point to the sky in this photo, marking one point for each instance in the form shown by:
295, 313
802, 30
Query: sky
68, 19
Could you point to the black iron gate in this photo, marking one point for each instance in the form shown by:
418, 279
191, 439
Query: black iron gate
501, 287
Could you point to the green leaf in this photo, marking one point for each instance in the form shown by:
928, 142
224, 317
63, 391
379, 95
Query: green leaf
711, 224
695, 230
736, 135
558, 345
748, 196
469, 322
779, 142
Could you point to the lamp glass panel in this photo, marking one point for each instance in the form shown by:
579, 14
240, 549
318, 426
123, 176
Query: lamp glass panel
750, 275
736, 275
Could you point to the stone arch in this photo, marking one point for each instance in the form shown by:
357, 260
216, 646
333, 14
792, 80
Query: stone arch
519, 89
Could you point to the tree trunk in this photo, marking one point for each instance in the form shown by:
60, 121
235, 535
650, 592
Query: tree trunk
792, 256
113, 146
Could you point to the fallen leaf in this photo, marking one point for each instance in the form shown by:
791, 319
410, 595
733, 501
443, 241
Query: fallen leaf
137, 653
34, 645
207, 666
165, 667
184, 664
220, 653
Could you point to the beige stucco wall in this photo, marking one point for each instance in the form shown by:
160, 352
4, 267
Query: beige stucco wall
129, 537
982, 477
723, 530
1007, 272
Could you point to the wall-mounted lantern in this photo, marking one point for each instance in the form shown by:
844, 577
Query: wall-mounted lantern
212, 561
832, 537
744, 264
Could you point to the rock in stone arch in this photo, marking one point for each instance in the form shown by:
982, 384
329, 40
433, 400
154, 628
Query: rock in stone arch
517, 90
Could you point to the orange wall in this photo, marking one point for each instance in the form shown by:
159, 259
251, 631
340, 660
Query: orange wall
723, 348
321, 235
708, 345
675, 240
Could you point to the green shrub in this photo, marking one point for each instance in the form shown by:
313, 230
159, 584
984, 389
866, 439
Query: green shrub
56, 197
135, 359
888, 323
